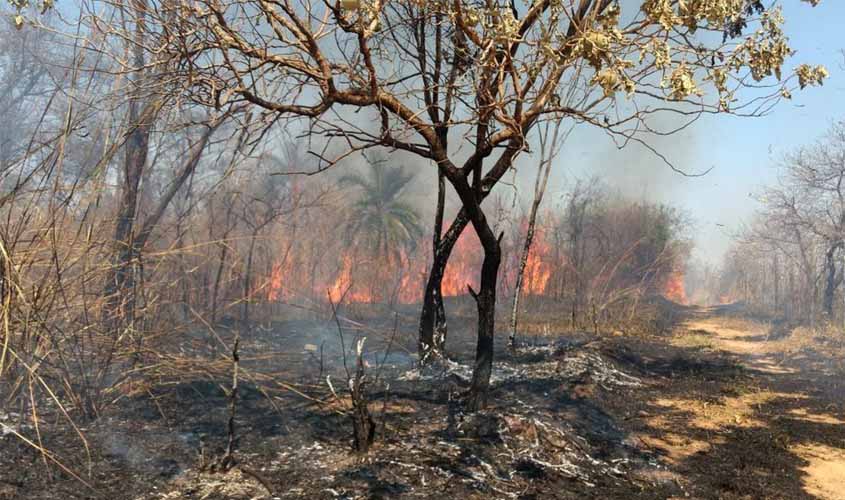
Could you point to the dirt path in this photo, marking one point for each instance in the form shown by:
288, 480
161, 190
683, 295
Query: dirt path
797, 385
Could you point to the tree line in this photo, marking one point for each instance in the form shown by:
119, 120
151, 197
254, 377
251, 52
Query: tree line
788, 262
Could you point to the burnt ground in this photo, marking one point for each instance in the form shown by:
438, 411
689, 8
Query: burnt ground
715, 406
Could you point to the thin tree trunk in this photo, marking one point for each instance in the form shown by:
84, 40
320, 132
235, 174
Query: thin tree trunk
221, 262
185, 172
520, 273
248, 281
776, 279
831, 284
548, 152
229, 458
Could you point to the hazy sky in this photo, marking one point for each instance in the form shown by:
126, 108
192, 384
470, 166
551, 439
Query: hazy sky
742, 151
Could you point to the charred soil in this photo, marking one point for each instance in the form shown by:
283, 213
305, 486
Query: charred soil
714, 407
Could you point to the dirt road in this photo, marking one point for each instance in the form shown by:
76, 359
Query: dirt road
794, 401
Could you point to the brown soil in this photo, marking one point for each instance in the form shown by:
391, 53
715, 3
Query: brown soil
796, 399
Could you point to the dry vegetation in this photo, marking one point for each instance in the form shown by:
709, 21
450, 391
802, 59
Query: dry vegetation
218, 278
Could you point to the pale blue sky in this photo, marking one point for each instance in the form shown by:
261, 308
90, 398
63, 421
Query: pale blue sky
742, 151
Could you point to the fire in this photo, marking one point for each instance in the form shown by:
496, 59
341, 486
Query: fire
359, 281
464, 266
411, 286
274, 286
538, 267
675, 290
345, 288
404, 281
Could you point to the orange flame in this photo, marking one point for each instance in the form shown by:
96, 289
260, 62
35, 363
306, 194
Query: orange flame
344, 287
405, 279
538, 266
275, 291
463, 266
675, 290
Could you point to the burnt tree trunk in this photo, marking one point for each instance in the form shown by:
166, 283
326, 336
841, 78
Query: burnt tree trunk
363, 425
486, 302
231, 431
432, 335
471, 196
432, 340
520, 273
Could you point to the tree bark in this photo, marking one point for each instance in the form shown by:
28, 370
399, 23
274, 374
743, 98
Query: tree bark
432, 340
471, 196
218, 276
548, 152
433, 313
120, 307
831, 283
486, 302
122, 280
520, 273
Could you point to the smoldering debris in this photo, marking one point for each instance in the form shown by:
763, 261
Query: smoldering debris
569, 365
494, 454
426, 442
601, 370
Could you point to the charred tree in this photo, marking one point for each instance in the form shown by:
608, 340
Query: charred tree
363, 425
432, 332
485, 300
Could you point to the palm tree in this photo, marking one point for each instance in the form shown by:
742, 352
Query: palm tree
380, 223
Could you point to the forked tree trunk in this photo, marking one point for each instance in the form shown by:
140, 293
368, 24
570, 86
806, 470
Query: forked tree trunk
471, 196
